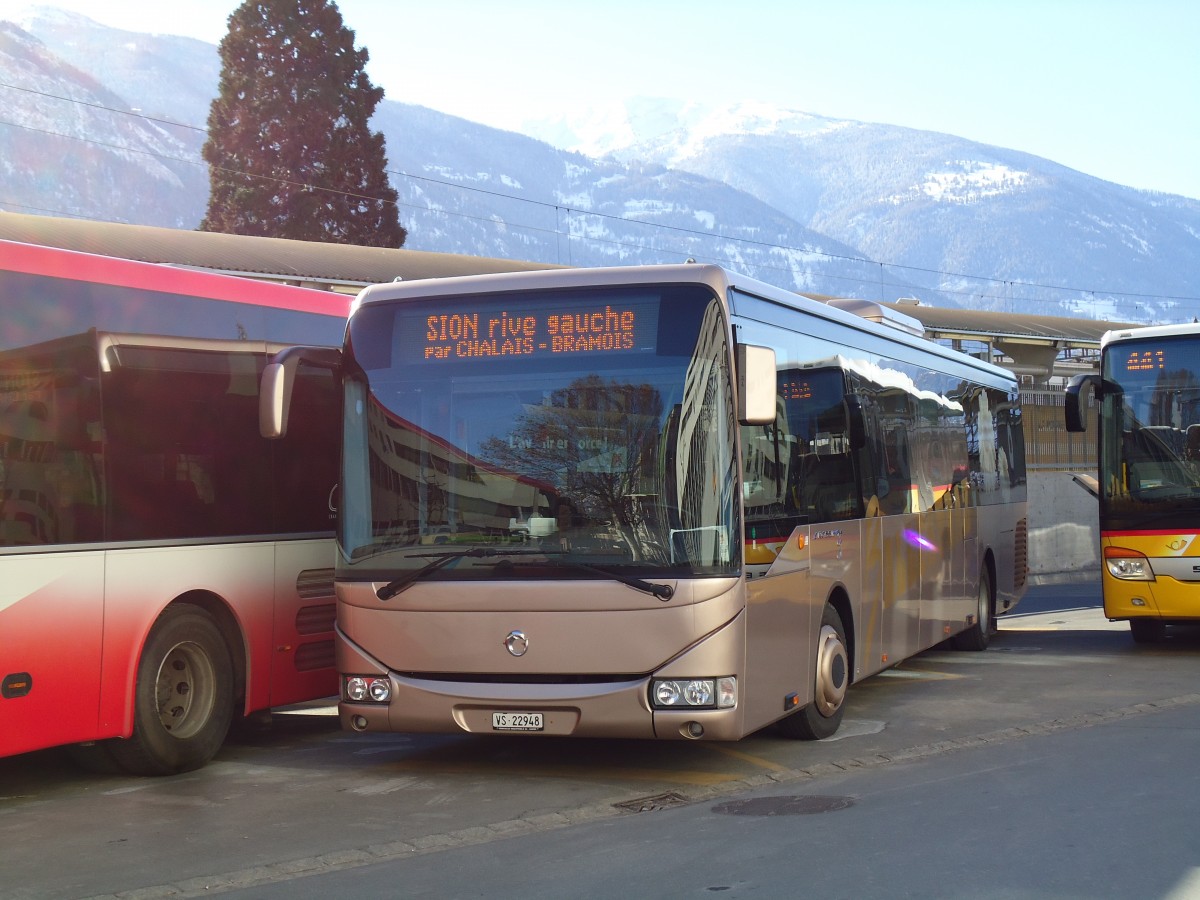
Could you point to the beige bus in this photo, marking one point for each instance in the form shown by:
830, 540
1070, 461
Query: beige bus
656, 502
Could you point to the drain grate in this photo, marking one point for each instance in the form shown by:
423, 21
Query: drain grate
809, 805
650, 804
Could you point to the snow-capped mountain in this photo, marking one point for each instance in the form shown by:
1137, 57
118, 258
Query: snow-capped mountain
811, 203
80, 158
941, 208
623, 125
472, 189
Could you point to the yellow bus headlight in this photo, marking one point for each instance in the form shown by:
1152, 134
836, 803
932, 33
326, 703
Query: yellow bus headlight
1128, 565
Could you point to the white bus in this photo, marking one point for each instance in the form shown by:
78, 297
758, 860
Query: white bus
656, 502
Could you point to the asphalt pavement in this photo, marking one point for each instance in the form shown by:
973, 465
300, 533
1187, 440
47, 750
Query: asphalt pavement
954, 774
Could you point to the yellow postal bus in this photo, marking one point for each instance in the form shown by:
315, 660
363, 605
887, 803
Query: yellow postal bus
1148, 410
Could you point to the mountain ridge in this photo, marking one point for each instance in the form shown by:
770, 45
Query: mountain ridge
809, 202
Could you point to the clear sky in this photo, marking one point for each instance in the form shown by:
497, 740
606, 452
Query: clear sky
1108, 87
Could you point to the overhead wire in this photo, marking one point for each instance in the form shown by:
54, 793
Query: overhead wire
1005, 295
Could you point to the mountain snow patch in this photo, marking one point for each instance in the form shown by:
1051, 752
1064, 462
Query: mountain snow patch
968, 182
976, 181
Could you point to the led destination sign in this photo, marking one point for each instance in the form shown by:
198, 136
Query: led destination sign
530, 328
795, 389
1146, 360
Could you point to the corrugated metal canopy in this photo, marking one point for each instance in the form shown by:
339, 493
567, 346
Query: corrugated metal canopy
330, 265
348, 267
966, 324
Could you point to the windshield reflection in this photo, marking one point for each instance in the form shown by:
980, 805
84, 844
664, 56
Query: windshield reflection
1150, 461
625, 462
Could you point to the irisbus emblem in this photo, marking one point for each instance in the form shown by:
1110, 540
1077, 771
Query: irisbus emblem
517, 643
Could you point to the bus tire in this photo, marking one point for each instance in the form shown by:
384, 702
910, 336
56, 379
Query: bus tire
823, 716
1147, 631
976, 637
183, 698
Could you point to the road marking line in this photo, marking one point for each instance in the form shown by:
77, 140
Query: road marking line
387, 786
582, 773
918, 675
747, 757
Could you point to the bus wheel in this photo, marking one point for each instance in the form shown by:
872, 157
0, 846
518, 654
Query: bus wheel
976, 637
1147, 631
822, 717
183, 699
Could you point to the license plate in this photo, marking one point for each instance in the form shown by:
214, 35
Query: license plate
517, 721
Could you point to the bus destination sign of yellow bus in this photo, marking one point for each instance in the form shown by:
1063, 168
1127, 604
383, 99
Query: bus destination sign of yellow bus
1146, 360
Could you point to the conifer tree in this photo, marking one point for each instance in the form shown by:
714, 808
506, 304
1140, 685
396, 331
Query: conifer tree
290, 150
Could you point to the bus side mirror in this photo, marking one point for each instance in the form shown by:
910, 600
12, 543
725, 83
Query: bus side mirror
278, 379
1075, 401
757, 386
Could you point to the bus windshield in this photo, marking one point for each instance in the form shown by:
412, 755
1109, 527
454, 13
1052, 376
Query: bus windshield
1150, 457
586, 430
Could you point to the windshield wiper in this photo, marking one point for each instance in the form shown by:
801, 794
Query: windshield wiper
392, 588
663, 592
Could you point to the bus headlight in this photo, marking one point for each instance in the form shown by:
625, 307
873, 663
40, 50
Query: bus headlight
693, 693
1128, 565
366, 689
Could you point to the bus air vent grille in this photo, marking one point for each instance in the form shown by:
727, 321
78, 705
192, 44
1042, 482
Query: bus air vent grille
1021, 554
315, 584
316, 619
314, 655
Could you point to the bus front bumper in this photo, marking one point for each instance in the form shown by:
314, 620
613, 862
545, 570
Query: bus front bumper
606, 709
1163, 598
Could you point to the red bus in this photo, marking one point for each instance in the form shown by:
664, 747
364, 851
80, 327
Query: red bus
163, 568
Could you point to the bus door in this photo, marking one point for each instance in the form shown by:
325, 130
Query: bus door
51, 607
899, 529
303, 473
302, 663
825, 486
939, 457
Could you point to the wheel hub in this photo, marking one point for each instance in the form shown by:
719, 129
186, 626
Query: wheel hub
184, 690
833, 671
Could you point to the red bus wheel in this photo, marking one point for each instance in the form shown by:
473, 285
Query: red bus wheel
183, 700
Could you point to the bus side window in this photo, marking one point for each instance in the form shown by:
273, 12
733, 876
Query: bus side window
1191, 450
827, 487
898, 496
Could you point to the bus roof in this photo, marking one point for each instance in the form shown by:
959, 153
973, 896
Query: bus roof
73, 265
345, 268
719, 279
1150, 331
